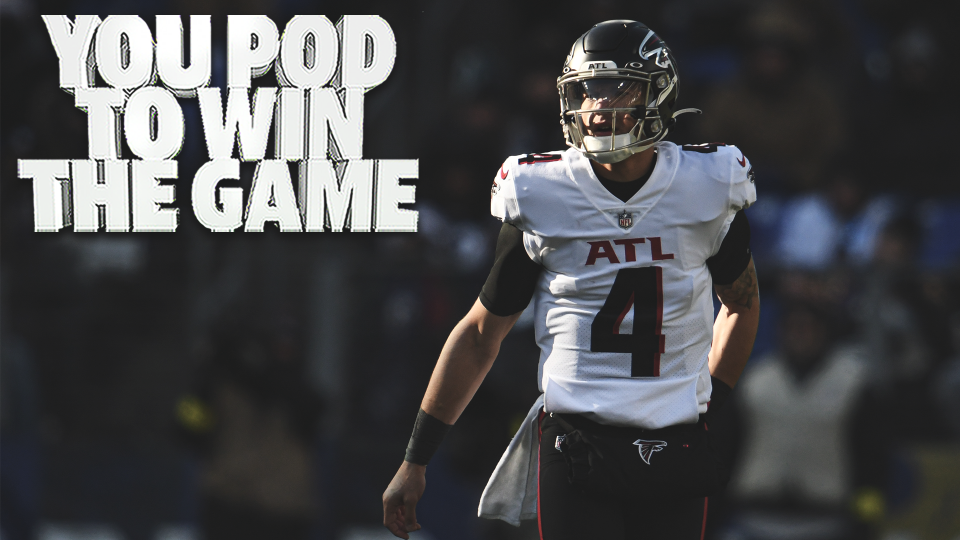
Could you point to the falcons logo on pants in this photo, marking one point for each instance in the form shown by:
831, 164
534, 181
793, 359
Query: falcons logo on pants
647, 448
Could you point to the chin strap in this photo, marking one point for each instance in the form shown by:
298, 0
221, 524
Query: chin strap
685, 111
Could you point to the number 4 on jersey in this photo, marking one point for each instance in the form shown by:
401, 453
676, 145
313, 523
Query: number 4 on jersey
642, 290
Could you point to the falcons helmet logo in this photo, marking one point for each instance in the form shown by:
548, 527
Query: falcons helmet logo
647, 448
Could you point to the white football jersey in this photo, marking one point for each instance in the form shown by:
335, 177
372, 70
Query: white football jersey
624, 307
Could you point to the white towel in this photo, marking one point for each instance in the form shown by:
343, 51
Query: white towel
511, 492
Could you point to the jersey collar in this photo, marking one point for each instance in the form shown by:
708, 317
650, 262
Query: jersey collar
581, 173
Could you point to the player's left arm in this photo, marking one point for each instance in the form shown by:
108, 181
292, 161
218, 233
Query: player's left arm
736, 326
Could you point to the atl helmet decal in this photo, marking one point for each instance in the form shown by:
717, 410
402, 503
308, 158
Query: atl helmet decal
598, 64
647, 448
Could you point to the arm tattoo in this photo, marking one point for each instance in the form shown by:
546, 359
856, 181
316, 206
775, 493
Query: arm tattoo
741, 292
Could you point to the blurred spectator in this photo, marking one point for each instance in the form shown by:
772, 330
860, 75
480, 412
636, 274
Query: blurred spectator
838, 224
810, 446
254, 420
787, 119
891, 329
886, 311
904, 316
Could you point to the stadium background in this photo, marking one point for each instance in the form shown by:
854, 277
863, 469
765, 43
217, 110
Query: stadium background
158, 385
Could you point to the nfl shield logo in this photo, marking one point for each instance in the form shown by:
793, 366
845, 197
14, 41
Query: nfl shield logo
626, 220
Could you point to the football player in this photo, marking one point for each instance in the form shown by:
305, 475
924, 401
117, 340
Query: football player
618, 241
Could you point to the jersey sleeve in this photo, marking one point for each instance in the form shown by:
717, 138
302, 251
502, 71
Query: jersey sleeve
736, 172
503, 194
513, 278
743, 188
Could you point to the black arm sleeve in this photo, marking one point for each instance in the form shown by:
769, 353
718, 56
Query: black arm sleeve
734, 255
512, 279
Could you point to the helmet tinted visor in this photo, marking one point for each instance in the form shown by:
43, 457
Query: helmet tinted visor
605, 93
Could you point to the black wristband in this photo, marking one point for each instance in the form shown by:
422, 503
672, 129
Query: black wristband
720, 394
428, 433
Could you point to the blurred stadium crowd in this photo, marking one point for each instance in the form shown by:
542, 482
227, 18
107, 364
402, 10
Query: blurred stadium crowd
193, 385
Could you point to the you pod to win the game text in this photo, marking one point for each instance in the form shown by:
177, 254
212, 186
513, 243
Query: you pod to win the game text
316, 116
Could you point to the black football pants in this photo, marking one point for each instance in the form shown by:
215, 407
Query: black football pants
565, 512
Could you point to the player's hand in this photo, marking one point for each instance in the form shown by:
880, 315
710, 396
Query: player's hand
401, 497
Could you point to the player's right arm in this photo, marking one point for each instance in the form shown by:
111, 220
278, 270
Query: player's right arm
467, 355
464, 361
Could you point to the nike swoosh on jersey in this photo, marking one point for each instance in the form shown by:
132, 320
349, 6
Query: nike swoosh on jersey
742, 161
503, 173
